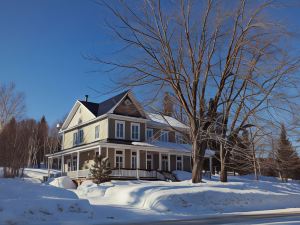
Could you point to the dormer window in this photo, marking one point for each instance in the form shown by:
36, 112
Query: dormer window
120, 129
164, 136
135, 131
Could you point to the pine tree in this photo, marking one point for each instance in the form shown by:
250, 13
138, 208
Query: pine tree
101, 169
286, 156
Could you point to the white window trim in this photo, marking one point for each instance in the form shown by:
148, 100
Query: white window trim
164, 131
139, 129
147, 134
123, 155
98, 132
181, 161
116, 129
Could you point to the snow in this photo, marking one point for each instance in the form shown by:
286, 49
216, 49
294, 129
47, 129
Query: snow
187, 199
166, 120
27, 201
182, 175
24, 201
36, 173
63, 182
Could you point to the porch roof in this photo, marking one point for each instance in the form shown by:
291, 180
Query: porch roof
184, 148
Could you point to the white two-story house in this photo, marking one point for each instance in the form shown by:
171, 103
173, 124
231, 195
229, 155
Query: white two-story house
138, 144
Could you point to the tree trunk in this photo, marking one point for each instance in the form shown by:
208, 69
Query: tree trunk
198, 161
223, 173
197, 170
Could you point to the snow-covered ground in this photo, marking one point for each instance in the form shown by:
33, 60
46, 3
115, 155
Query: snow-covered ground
186, 199
27, 201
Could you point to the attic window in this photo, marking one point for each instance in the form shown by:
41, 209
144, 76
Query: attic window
127, 102
80, 121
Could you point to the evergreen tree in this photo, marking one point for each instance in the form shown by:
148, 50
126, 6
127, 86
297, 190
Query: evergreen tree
286, 156
101, 169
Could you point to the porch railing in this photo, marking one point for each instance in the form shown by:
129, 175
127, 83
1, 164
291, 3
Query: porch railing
118, 173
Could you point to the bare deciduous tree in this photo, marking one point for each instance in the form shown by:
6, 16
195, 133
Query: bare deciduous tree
224, 51
12, 103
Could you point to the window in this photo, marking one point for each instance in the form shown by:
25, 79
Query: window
75, 139
74, 163
97, 128
165, 162
133, 160
135, 131
120, 129
179, 138
178, 162
149, 134
119, 159
164, 136
149, 161
80, 140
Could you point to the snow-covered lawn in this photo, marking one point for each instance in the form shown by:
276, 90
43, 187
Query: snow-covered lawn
27, 201
186, 199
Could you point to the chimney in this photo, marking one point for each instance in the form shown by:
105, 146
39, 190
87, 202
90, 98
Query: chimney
168, 106
86, 98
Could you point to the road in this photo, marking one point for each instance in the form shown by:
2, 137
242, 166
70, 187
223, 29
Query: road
266, 219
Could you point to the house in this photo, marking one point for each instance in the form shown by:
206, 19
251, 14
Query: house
138, 144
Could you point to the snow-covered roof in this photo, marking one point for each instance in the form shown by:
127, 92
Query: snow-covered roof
158, 119
172, 147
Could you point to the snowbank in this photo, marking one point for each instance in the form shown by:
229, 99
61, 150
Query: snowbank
63, 182
182, 175
36, 173
187, 199
25, 202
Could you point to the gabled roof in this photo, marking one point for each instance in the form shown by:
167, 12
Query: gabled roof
99, 109
102, 108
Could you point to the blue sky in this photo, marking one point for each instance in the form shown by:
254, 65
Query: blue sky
41, 48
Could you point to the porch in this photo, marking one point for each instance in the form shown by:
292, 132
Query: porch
127, 162
120, 174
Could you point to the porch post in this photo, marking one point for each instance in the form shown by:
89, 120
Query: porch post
169, 162
159, 161
146, 161
137, 164
99, 150
78, 164
62, 163
48, 167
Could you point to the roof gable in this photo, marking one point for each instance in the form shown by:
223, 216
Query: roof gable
78, 114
